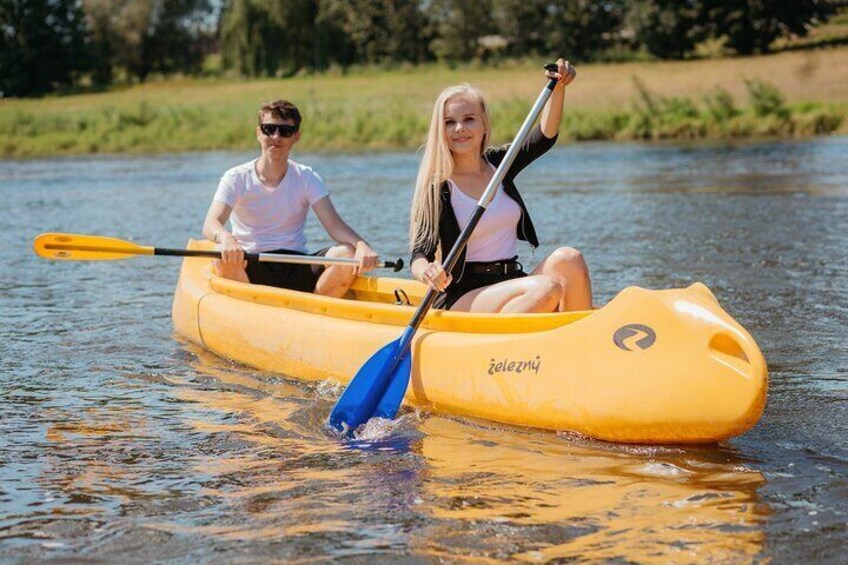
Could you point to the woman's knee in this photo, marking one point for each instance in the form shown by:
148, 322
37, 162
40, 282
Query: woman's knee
569, 262
567, 256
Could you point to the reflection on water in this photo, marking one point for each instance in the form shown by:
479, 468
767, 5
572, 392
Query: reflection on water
548, 498
119, 442
261, 470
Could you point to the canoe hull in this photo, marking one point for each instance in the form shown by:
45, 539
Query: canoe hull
665, 366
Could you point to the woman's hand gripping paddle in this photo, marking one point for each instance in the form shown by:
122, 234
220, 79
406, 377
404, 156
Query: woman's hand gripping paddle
377, 390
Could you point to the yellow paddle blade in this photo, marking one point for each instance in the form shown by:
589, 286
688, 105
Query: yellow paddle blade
77, 247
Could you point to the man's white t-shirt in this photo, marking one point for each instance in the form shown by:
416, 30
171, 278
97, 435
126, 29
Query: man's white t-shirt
268, 218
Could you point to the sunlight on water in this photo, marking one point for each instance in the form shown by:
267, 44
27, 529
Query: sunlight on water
121, 442
591, 499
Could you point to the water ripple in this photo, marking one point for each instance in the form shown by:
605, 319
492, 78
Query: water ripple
118, 441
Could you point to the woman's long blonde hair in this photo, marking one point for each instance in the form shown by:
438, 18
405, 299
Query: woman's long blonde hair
437, 167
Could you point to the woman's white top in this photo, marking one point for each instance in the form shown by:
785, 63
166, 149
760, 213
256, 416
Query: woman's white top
266, 218
495, 238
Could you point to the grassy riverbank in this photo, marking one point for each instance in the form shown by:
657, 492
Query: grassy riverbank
789, 94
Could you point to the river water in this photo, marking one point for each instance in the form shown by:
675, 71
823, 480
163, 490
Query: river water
120, 442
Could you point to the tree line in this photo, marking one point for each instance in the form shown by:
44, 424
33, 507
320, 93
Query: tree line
49, 45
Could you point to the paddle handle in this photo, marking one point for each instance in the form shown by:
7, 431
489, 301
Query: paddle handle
278, 258
488, 195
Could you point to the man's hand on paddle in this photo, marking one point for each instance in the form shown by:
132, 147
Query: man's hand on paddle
367, 257
232, 255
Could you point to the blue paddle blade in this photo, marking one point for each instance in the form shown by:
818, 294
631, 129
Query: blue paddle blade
366, 390
393, 397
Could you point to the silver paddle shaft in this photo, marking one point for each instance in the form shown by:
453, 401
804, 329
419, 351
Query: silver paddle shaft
515, 147
306, 259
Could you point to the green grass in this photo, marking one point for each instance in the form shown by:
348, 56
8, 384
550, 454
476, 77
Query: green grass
716, 116
373, 109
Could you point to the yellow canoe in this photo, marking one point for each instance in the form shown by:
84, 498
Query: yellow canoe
651, 366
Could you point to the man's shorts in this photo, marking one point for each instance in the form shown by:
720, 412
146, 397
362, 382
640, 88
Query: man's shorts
286, 275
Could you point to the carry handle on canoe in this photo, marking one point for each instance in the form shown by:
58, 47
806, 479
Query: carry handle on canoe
377, 390
79, 247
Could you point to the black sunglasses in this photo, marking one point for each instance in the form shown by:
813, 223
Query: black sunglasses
285, 130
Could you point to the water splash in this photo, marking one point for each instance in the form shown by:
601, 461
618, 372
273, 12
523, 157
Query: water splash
377, 429
329, 389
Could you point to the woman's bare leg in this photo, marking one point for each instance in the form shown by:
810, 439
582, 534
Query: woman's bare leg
528, 294
567, 266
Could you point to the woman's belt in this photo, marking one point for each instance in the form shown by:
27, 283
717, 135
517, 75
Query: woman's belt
504, 267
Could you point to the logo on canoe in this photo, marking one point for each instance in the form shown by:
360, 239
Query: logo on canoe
513, 366
639, 335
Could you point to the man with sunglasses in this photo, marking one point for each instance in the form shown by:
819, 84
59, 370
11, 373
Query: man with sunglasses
266, 201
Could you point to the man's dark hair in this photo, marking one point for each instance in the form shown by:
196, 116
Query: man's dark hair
282, 110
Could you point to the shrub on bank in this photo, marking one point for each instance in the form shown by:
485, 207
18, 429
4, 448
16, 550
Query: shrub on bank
143, 127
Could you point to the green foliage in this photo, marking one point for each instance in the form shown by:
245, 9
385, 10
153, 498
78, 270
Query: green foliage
712, 48
656, 117
377, 31
42, 45
248, 42
49, 45
597, 126
271, 38
660, 117
820, 121
580, 29
345, 114
459, 25
522, 24
671, 29
766, 99
720, 107
141, 37
752, 26
274, 38
666, 28
137, 128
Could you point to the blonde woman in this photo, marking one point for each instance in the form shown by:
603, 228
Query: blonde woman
455, 170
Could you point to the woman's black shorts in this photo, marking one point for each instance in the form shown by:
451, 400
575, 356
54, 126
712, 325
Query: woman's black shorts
286, 275
476, 276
